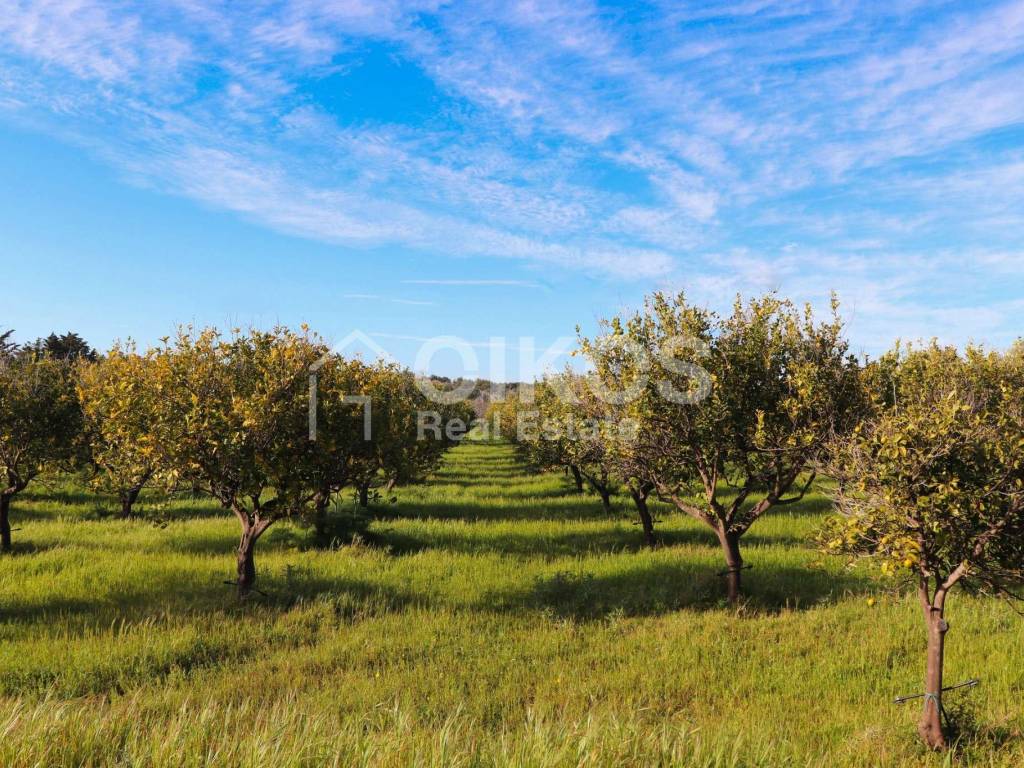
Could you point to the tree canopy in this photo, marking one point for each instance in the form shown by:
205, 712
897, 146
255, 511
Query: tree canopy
117, 396
67, 346
932, 485
230, 415
40, 425
727, 413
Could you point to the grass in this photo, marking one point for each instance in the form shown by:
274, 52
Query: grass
490, 617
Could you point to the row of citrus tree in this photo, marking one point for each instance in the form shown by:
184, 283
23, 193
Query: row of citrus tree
727, 417
270, 424
724, 417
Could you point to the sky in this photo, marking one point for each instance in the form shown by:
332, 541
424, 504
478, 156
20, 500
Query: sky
508, 170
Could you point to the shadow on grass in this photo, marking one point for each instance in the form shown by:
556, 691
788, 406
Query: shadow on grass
525, 492
163, 596
655, 590
25, 510
54, 606
568, 507
319, 609
551, 546
971, 739
190, 509
812, 506
26, 547
64, 495
84, 505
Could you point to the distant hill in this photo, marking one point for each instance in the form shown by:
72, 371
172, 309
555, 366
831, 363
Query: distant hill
482, 391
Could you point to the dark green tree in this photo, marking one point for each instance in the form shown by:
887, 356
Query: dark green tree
8, 347
68, 346
40, 425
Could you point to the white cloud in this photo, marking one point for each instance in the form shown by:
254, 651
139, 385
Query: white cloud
94, 41
361, 220
572, 135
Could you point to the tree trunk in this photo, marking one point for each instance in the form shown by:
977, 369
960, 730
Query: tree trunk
734, 562
246, 562
577, 476
606, 499
320, 517
930, 727
640, 499
5, 522
364, 495
128, 499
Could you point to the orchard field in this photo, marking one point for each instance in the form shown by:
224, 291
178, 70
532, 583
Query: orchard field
491, 616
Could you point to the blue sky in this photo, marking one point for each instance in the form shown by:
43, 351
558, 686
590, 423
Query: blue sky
508, 169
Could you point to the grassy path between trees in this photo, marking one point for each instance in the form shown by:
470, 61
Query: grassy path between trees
490, 617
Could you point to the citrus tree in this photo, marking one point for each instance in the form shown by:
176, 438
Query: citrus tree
392, 454
597, 444
568, 434
368, 433
40, 425
340, 448
231, 417
931, 486
727, 415
116, 394
408, 432
531, 424
422, 454
516, 420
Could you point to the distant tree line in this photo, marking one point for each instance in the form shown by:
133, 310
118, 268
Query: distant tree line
67, 346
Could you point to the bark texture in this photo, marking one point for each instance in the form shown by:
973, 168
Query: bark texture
253, 526
931, 727
640, 500
5, 522
246, 563
734, 562
128, 499
577, 477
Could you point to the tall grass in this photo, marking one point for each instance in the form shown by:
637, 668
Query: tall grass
489, 617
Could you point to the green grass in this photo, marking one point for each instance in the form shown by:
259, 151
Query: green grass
491, 617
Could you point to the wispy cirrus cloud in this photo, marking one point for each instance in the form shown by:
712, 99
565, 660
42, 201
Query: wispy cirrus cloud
799, 144
389, 299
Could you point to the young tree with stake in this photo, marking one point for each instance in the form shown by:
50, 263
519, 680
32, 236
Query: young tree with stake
932, 486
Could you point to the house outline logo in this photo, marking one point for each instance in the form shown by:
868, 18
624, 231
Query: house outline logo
382, 354
354, 337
